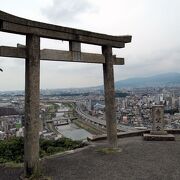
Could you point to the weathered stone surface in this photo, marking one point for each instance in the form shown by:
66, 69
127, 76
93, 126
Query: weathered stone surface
21, 21
75, 46
158, 133
6, 51
14, 24
31, 136
47, 33
151, 137
110, 111
158, 120
59, 55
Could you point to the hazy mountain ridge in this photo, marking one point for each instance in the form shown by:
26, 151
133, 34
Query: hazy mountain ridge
168, 79
162, 80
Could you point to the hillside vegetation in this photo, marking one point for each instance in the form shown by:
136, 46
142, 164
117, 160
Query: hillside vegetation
12, 150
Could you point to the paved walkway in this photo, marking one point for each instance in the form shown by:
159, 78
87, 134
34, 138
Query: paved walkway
139, 160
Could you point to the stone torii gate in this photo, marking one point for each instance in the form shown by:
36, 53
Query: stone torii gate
33, 31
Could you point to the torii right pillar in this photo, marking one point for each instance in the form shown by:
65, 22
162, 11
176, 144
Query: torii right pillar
109, 92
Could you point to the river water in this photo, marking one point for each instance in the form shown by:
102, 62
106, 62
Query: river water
71, 130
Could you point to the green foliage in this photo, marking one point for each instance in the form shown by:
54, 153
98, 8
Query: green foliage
49, 147
12, 150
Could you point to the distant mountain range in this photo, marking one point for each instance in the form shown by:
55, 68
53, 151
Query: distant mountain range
162, 80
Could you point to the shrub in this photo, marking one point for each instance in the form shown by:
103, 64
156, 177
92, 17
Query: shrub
12, 150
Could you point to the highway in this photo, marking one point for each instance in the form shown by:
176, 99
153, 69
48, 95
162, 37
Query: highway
101, 122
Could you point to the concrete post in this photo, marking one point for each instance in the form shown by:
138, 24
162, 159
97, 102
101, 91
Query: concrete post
32, 79
110, 111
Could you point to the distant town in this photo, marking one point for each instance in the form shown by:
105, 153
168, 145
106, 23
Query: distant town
79, 113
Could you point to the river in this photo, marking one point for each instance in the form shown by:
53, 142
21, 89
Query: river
71, 130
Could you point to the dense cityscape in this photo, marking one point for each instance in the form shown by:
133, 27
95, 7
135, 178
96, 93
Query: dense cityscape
79, 113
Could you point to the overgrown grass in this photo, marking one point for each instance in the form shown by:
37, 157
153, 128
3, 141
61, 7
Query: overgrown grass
12, 150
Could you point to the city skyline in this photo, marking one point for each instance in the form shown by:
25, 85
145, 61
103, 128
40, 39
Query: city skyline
153, 26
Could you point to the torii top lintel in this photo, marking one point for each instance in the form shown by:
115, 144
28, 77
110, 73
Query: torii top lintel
14, 24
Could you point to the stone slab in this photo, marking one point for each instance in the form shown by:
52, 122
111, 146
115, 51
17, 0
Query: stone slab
69, 31
59, 55
162, 132
152, 137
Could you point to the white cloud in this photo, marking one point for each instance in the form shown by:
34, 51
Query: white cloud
67, 10
154, 26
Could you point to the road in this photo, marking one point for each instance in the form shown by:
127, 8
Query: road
101, 122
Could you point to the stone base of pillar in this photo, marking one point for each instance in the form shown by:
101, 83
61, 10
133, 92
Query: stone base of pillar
155, 137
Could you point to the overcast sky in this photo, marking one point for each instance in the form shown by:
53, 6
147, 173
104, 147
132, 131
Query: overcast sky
153, 24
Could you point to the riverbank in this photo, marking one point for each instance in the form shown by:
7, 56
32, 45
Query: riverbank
78, 129
89, 127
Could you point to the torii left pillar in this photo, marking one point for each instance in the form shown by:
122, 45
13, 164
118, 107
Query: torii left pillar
32, 80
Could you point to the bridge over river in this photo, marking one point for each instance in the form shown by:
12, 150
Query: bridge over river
90, 118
